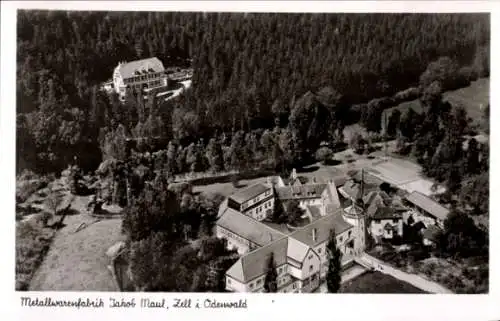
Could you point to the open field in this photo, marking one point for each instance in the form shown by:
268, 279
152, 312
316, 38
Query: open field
376, 282
77, 261
471, 98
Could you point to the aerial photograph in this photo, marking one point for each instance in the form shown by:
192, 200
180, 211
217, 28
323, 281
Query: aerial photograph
255, 152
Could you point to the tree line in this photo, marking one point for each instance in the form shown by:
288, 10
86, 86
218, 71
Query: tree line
252, 72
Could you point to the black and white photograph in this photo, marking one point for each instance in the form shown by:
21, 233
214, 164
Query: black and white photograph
255, 152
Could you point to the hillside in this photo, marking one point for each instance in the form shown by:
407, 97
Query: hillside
471, 98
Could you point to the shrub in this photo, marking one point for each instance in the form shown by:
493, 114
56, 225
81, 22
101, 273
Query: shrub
324, 154
235, 181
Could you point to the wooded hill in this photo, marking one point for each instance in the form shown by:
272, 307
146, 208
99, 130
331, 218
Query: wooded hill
249, 72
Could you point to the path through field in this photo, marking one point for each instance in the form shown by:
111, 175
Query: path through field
78, 261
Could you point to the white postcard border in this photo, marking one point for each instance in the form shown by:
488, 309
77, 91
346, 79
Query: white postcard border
263, 307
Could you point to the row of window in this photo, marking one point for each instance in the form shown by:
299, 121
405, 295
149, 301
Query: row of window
258, 198
259, 210
395, 220
309, 202
142, 78
155, 83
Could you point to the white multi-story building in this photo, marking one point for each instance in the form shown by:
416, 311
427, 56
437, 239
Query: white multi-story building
300, 255
139, 75
300, 258
256, 201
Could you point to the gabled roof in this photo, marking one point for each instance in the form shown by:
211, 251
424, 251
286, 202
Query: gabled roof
249, 193
377, 196
222, 208
300, 192
254, 264
148, 65
296, 250
351, 189
300, 180
323, 226
428, 205
353, 210
236, 271
247, 227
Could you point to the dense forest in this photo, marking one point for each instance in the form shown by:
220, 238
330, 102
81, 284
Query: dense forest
279, 82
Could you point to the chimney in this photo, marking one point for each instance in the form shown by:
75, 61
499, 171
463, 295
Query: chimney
270, 237
314, 235
294, 174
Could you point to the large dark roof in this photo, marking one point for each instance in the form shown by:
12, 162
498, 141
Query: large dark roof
247, 227
428, 205
249, 193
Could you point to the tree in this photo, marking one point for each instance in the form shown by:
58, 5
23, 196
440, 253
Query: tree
444, 70
475, 192
333, 276
371, 115
214, 155
279, 215
237, 151
461, 237
409, 122
294, 212
472, 162
432, 94
324, 155
357, 143
271, 278
153, 211
393, 123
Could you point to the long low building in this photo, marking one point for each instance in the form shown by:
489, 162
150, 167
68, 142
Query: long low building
243, 232
426, 209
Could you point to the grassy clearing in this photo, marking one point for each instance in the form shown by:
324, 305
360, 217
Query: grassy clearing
376, 282
32, 243
78, 261
472, 97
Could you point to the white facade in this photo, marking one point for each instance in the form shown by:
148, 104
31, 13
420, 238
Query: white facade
377, 228
138, 75
261, 211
